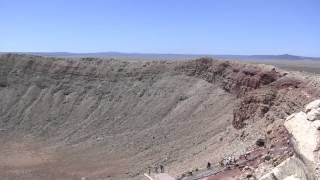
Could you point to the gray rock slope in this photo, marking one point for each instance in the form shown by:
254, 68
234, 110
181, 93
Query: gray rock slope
93, 118
108, 113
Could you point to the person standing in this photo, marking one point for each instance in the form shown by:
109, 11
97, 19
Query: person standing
161, 169
208, 165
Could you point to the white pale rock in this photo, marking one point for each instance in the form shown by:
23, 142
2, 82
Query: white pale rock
313, 105
300, 115
291, 116
305, 130
316, 124
290, 168
313, 114
305, 135
291, 178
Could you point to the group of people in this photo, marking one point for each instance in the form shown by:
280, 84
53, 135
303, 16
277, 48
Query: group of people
228, 161
157, 168
225, 162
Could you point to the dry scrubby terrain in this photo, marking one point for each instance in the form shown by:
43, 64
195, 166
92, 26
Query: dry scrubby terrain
93, 118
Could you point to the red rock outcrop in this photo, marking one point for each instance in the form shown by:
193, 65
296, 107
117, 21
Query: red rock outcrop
259, 88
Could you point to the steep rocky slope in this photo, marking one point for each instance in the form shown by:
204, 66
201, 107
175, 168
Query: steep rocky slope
304, 128
93, 118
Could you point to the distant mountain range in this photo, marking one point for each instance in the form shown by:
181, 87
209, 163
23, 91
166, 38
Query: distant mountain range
147, 56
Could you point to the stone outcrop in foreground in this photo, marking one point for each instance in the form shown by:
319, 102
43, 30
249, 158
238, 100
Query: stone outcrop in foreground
304, 127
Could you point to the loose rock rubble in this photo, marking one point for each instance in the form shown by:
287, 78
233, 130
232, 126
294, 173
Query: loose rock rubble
291, 151
304, 128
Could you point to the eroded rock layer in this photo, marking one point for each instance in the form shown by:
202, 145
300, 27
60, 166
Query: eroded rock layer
94, 118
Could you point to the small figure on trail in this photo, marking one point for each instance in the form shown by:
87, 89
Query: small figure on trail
161, 169
228, 161
208, 165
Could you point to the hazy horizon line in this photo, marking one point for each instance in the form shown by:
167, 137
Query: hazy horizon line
155, 53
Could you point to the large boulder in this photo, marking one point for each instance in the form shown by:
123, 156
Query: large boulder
290, 168
313, 105
305, 136
305, 130
313, 114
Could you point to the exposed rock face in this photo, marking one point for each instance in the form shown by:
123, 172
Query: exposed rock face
262, 91
96, 118
100, 118
312, 106
305, 138
313, 115
292, 168
254, 105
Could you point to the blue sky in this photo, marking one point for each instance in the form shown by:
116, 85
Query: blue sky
162, 26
